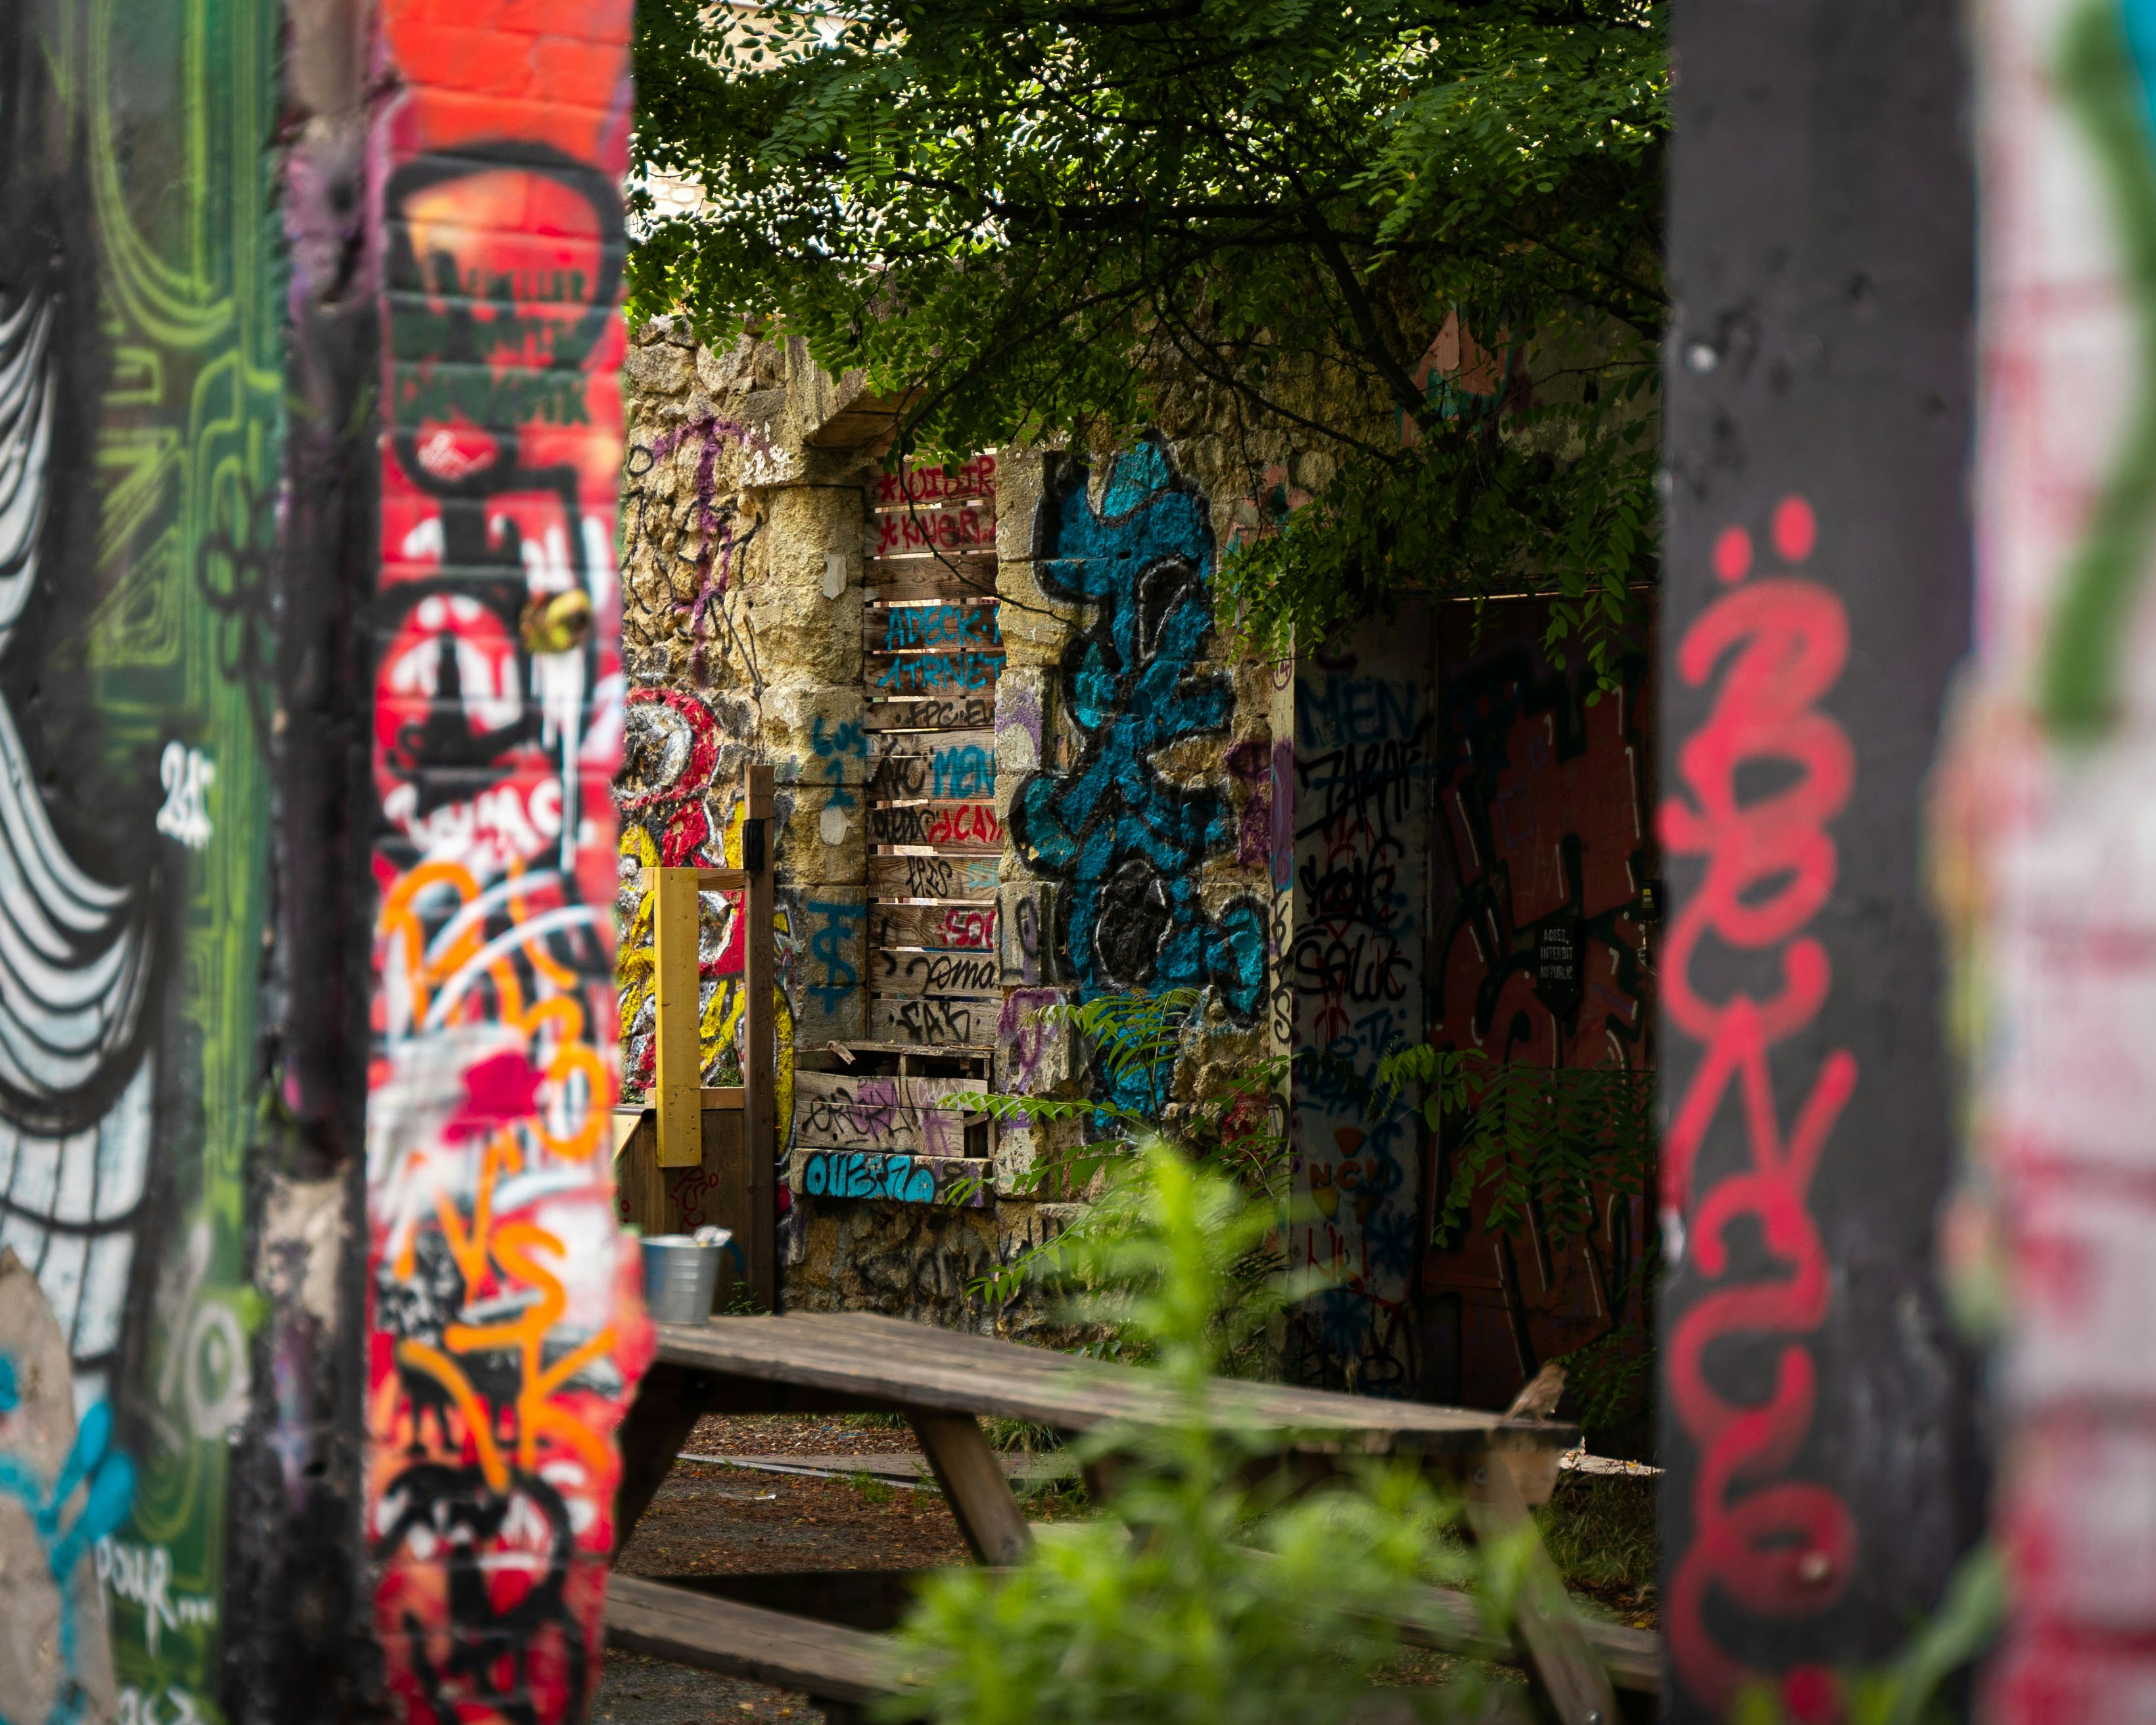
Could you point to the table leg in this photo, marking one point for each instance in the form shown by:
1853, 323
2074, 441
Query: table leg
1570, 1677
667, 1406
975, 1485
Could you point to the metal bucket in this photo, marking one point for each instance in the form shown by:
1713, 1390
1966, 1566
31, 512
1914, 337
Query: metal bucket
680, 1276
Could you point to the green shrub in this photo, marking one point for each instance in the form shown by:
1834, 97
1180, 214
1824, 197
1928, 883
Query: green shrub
1132, 1042
1196, 1597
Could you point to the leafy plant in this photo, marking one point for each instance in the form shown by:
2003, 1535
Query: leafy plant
1418, 240
1196, 1596
1543, 1141
1531, 1136
1141, 1036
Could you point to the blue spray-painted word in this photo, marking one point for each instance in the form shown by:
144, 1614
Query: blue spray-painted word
967, 771
924, 671
938, 625
869, 1173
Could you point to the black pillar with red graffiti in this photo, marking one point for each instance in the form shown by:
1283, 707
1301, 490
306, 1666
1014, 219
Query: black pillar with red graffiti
1816, 1407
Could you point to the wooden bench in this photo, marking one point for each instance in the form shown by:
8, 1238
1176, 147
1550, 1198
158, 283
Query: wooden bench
945, 1382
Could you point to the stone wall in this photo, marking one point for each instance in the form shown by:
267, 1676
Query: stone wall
1174, 815
1133, 766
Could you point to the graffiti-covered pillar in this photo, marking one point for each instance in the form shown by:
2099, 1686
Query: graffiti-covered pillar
1815, 1418
504, 1335
2049, 855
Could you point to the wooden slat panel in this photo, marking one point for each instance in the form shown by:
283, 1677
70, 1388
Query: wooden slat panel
944, 975
933, 713
943, 627
934, 764
944, 928
937, 826
933, 877
970, 1054
959, 527
722, 1191
926, 1116
892, 1177
880, 609
982, 505
934, 578
915, 1090
926, 745
891, 1361
894, 1018
945, 676
825, 1660
638, 1179
930, 484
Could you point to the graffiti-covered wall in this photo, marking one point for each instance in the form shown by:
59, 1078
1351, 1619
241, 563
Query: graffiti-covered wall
140, 449
1544, 876
1127, 850
975, 818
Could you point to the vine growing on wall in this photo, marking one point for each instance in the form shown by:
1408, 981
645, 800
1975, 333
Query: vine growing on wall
1417, 240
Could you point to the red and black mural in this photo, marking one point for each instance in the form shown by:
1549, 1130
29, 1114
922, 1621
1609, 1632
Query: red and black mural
1544, 881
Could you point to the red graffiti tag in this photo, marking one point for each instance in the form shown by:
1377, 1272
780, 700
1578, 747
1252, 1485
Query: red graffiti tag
1774, 1547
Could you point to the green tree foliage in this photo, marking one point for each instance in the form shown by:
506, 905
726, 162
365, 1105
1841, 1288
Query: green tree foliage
1027, 218
1197, 1597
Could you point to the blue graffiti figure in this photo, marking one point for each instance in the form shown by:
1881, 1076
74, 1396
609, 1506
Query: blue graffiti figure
1130, 844
839, 924
110, 1478
850, 739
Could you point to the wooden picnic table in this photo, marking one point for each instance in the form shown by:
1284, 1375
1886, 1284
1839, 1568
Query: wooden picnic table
945, 1382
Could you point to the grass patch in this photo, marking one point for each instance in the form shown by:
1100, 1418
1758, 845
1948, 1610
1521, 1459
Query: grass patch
1022, 1434
872, 1488
1599, 1531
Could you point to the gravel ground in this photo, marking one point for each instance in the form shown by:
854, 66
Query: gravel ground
710, 1520
713, 1520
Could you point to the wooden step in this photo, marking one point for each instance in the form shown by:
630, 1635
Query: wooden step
827, 1661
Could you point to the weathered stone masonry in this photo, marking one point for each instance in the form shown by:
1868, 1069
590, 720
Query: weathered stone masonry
1129, 837
1356, 850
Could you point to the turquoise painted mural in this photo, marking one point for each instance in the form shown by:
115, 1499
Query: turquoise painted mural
140, 389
